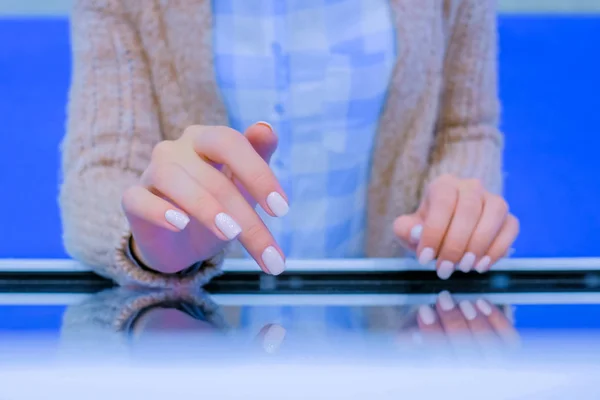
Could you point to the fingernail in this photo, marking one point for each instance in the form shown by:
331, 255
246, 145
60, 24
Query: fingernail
177, 219
467, 310
466, 264
426, 256
273, 338
484, 307
273, 260
446, 301
415, 233
228, 226
482, 265
277, 204
268, 125
445, 270
426, 315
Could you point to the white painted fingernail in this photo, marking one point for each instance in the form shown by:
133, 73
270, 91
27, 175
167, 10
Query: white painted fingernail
483, 264
426, 256
446, 301
177, 219
426, 314
466, 264
228, 226
277, 204
415, 233
268, 125
273, 338
273, 260
484, 307
467, 310
445, 270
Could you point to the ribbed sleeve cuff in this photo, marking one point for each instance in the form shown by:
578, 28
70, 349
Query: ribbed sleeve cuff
129, 273
476, 155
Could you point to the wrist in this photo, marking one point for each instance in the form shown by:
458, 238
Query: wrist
136, 255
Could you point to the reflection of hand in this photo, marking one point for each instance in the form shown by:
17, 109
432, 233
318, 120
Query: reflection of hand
169, 320
161, 320
460, 225
458, 324
199, 192
271, 337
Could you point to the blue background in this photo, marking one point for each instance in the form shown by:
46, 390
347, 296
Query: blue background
550, 81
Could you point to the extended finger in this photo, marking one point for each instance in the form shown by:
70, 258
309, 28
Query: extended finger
254, 236
226, 146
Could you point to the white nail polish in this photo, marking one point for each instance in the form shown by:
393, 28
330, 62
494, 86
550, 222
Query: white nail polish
277, 204
445, 270
227, 226
268, 125
415, 233
426, 314
467, 310
446, 302
273, 338
273, 260
177, 219
483, 264
426, 256
484, 307
466, 264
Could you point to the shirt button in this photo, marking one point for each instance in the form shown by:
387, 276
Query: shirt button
276, 48
279, 108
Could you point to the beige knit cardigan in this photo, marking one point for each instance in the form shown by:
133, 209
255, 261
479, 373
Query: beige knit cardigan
143, 72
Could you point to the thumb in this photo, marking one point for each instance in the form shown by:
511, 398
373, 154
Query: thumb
408, 228
263, 138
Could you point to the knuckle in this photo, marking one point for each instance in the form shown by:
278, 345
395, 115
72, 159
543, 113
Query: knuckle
445, 198
191, 131
514, 223
256, 235
162, 173
474, 185
260, 179
162, 150
499, 205
472, 202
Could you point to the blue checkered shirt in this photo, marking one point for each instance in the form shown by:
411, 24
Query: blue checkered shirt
317, 71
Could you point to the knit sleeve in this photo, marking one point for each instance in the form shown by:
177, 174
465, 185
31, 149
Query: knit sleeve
113, 125
468, 143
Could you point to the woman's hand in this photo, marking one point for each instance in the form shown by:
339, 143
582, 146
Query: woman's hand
459, 224
199, 193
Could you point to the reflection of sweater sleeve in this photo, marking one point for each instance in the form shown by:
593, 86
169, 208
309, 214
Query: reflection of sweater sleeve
113, 126
468, 143
102, 321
